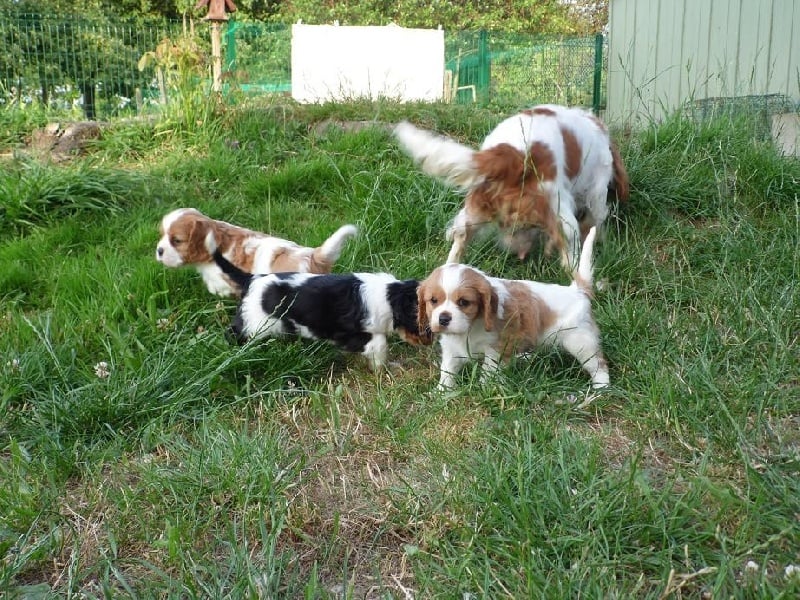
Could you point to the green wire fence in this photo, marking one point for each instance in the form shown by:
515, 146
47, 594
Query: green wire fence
96, 67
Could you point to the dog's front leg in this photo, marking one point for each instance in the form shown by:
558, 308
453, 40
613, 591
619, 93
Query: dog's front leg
451, 365
491, 362
563, 205
375, 351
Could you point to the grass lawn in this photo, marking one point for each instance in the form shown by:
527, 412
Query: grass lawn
143, 455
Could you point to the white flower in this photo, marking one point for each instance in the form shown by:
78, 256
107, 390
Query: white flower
162, 324
751, 566
101, 370
13, 364
791, 571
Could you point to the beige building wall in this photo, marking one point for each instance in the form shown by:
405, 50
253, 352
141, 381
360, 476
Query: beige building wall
664, 53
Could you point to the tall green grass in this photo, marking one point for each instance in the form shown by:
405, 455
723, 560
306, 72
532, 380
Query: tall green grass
144, 455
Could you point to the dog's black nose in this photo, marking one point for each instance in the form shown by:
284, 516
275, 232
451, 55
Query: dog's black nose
444, 319
160, 251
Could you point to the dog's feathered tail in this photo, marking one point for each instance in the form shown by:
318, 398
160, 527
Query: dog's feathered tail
621, 184
324, 257
439, 156
234, 273
584, 276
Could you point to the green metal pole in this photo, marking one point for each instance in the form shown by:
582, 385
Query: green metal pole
230, 46
484, 67
598, 72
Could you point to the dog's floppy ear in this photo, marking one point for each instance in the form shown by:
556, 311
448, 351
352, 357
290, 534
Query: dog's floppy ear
490, 302
423, 323
194, 232
502, 164
198, 230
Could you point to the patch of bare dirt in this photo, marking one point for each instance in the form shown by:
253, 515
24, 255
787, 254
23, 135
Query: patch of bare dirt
61, 141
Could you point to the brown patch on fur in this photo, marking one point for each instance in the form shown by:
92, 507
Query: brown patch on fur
573, 154
428, 289
541, 162
423, 337
319, 264
539, 110
289, 260
482, 298
187, 235
511, 194
242, 256
621, 182
525, 317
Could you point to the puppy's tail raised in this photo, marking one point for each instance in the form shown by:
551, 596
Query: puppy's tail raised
438, 156
584, 276
324, 257
239, 277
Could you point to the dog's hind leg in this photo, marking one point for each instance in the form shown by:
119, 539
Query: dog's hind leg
584, 345
564, 207
596, 209
461, 232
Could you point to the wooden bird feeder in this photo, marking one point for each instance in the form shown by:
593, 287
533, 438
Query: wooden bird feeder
216, 15
216, 9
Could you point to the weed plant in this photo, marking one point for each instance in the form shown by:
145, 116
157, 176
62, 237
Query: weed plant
144, 455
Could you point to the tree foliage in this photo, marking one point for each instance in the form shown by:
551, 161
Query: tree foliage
539, 16
512, 16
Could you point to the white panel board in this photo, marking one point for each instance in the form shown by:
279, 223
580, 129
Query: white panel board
340, 63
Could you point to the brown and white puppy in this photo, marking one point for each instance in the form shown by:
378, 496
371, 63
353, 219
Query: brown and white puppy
182, 242
549, 167
478, 316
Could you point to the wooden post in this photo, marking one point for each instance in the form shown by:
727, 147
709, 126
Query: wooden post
216, 16
216, 55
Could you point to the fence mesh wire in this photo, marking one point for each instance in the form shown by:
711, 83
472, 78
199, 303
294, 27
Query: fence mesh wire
68, 63
92, 66
514, 69
758, 109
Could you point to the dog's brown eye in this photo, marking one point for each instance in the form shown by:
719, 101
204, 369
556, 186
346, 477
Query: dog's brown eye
462, 302
434, 300
175, 240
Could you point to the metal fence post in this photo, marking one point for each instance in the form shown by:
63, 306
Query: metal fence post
484, 74
230, 46
598, 72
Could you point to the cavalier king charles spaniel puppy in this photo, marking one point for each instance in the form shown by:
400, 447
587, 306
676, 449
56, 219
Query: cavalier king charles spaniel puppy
548, 168
478, 316
183, 235
355, 311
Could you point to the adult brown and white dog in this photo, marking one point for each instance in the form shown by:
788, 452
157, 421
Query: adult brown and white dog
355, 311
478, 316
182, 242
549, 167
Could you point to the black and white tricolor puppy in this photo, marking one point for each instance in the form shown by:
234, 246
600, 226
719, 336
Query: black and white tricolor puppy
355, 311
